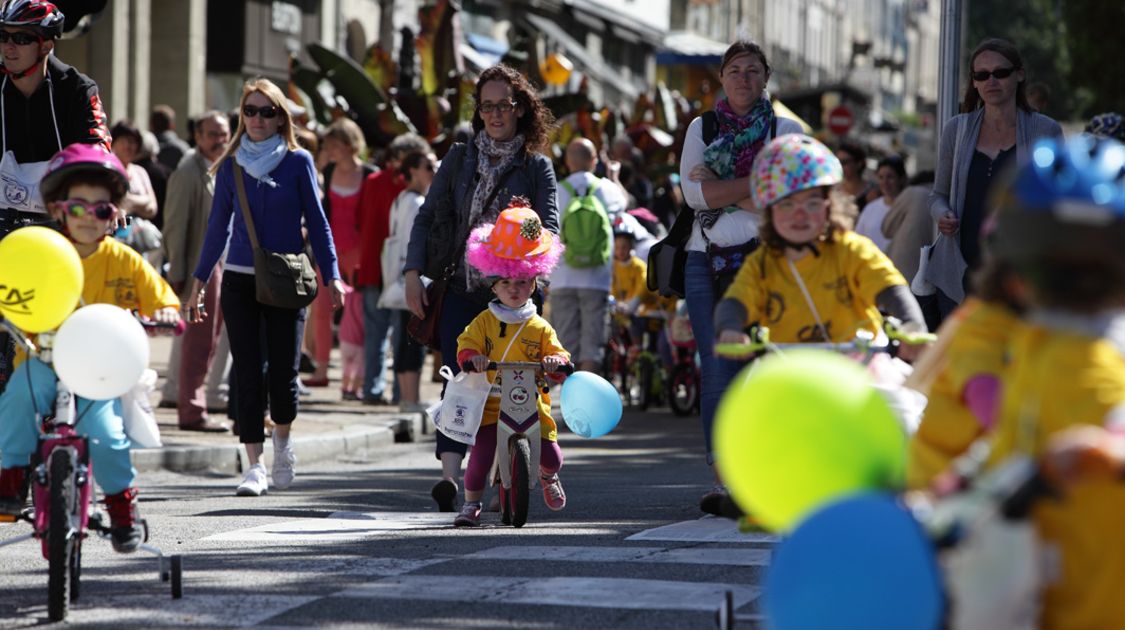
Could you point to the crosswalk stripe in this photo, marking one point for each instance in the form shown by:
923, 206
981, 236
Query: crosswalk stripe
335, 527
658, 555
706, 529
586, 592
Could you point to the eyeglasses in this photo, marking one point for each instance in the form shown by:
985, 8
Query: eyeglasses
19, 38
269, 111
77, 208
503, 107
811, 206
999, 73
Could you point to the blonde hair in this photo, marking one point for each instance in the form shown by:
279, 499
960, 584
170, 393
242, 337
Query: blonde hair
346, 130
268, 89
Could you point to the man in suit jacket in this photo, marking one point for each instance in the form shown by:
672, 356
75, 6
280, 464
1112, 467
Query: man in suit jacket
187, 207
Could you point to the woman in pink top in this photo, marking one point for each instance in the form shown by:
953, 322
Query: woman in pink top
343, 143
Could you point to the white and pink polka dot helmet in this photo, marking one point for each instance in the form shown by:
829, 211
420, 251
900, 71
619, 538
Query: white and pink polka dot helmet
790, 164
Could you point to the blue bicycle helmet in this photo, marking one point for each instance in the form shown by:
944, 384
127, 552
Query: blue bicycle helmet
1107, 125
1065, 204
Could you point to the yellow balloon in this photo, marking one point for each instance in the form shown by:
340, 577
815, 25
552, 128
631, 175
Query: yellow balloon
556, 69
40, 278
798, 430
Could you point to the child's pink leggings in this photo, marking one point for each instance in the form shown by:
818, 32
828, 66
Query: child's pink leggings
484, 451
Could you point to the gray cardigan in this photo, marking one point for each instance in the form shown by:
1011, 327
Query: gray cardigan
947, 267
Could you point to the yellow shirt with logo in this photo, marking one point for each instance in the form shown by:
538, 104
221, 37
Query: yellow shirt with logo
979, 347
630, 281
842, 280
116, 274
1058, 380
536, 340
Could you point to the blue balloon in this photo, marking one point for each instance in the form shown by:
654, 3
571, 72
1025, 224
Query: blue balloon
591, 407
862, 562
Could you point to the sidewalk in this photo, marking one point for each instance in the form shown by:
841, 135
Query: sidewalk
326, 426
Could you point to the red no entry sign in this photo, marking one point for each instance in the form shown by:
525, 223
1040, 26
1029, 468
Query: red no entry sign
840, 120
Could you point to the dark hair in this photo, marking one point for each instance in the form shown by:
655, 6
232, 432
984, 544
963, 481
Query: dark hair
413, 159
125, 129
405, 144
894, 163
745, 47
1007, 50
856, 151
117, 186
535, 124
162, 119
992, 283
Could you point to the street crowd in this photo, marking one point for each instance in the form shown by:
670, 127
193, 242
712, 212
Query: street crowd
493, 251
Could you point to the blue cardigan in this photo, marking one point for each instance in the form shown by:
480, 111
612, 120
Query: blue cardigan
277, 216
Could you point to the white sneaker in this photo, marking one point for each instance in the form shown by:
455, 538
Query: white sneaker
254, 483
283, 461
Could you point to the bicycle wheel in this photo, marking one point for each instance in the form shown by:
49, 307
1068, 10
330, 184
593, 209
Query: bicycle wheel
646, 373
505, 504
521, 480
683, 394
76, 571
625, 380
60, 539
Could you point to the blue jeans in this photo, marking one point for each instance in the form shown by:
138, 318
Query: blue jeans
377, 323
98, 420
715, 373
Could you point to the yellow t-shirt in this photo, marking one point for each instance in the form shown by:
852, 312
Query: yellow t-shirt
842, 280
629, 280
979, 347
536, 340
116, 274
1059, 380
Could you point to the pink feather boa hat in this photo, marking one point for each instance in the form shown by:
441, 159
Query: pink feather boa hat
517, 246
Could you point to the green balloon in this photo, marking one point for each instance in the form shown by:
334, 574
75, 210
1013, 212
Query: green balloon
797, 430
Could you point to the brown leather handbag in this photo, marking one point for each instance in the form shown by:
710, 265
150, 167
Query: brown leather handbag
425, 330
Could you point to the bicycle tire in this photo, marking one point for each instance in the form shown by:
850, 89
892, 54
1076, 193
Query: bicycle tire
625, 386
76, 571
683, 401
645, 376
60, 541
521, 479
505, 504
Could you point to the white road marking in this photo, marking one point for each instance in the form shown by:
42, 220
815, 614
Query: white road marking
706, 529
335, 527
659, 555
586, 592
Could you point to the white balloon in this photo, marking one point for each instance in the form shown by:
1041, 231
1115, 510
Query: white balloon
100, 352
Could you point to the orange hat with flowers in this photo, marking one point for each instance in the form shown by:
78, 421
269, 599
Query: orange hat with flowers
516, 246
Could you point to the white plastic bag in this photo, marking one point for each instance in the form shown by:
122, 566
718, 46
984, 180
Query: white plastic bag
919, 285
136, 411
462, 406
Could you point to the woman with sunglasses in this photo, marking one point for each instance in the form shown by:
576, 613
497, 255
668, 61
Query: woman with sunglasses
505, 159
281, 189
997, 127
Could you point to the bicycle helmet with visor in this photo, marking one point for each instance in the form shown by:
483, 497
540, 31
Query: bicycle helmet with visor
40, 15
1065, 205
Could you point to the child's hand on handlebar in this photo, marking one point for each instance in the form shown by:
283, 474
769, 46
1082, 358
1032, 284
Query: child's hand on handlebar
552, 363
1084, 453
169, 316
480, 363
735, 337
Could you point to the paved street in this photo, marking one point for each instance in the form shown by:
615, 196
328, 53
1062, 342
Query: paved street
357, 542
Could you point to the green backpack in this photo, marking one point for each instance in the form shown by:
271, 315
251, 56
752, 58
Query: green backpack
586, 231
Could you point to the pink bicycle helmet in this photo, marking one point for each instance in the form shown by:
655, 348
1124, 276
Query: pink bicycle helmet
38, 14
790, 164
86, 159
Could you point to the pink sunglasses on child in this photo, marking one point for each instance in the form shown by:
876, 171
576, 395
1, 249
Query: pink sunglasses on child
102, 210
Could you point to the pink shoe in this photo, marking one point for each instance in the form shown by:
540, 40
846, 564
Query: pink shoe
553, 494
469, 516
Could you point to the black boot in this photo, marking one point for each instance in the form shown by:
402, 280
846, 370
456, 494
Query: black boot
13, 490
126, 529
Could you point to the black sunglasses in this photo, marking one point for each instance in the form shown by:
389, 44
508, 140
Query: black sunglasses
999, 73
269, 111
19, 38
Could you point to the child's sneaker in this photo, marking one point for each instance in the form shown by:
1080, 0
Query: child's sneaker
13, 490
126, 530
283, 461
712, 502
469, 516
444, 493
553, 494
254, 483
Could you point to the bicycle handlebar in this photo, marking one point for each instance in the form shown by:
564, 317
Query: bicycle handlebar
565, 368
864, 342
20, 336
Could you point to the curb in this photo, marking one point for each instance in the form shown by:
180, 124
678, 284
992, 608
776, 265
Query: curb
231, 458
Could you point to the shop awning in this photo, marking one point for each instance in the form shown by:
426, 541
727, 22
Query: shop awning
686, 48
589, 64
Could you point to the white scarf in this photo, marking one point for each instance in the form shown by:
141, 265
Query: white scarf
260, 158
510, 315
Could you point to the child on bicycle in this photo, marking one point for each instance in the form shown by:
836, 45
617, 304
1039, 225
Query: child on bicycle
81, 188
1061, 222
813, 279
512, 254
630, 290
